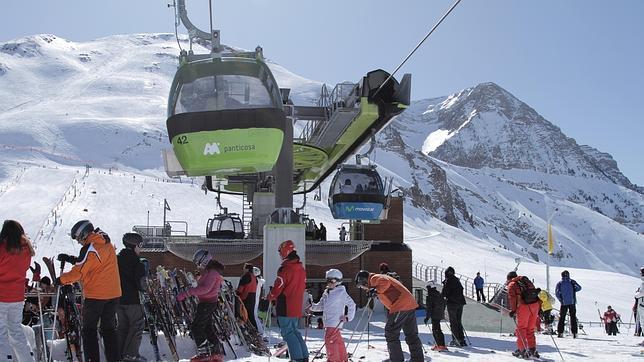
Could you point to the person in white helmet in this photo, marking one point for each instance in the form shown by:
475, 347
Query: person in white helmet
337, 307
258, 293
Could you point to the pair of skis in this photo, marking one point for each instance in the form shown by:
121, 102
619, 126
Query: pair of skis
71, 326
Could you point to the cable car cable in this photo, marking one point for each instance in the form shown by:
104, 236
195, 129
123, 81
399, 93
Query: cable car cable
418, 46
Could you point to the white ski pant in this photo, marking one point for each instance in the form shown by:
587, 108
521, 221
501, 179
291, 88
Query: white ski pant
12, 337
640, 311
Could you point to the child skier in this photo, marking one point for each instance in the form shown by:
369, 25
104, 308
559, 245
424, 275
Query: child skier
207, 290
337, 307
435, 305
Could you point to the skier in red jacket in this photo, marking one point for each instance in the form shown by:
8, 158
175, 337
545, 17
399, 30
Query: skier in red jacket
287, 292
246, 290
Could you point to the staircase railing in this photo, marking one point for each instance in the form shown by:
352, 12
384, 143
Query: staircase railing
436, 273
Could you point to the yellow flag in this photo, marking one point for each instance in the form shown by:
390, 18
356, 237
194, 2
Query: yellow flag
551, 241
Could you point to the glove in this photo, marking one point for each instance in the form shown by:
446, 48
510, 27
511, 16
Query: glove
66, 258
182, 296
57, 282
513, 314
373, 293
36, 272
426, 320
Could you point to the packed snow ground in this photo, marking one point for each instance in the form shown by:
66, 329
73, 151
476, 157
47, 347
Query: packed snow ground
595, 345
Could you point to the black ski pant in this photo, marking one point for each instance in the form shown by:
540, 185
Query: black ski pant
202, 325
130, 329
612, 328
565, 309
455, 312
480, 295
437, 332
405, 320
249, 304
103, 310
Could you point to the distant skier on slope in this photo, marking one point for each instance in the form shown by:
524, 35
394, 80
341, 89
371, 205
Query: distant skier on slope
639, 296
332, 304
207, 290
479, 282
566, 292
610, 321
435, 307
96, 268
287, 293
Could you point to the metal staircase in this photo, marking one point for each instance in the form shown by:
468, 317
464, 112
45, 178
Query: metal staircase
247, 215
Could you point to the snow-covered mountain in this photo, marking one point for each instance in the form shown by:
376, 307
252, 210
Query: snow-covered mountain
479, 160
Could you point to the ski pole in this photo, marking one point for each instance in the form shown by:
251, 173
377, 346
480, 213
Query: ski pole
364, 310
466, 336
629, 322
557, 347
362, 334
42, 321
267, 326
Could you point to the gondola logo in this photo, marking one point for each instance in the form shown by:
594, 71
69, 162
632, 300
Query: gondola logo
359, 209
211, 149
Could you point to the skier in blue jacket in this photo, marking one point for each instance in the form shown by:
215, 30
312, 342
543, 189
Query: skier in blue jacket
566, 292
479, 282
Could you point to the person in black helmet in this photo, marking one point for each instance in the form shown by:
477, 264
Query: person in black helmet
130, 312
455, 300
566, 292
96, 268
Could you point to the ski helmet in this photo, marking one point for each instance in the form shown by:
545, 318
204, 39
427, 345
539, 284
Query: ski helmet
81, 230
565, 274
432, 284
132, 240
286, 248
362, 278
642, 271
334, 275
257, 271
201, 258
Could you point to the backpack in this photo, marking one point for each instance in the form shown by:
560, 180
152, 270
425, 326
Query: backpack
529, 293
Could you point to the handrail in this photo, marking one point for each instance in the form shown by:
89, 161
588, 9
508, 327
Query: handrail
435, 273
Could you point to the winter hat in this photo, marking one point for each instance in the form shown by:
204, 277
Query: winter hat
383, 267
511, 275
45, 280
132, 240
449, 271
248, 267
432, 284
565, 274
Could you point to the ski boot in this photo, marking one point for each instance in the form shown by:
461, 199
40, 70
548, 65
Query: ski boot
532, 352
519, 353
438, 348
205, 354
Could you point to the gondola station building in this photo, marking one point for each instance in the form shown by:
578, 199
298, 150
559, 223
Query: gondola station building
371, 244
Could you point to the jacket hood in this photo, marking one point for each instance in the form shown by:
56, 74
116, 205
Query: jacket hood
94, 238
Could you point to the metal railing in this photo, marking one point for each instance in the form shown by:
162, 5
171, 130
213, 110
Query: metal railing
426, 273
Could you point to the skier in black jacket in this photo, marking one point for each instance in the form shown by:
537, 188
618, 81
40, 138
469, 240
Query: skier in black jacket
455, 300
130, 312
435, 306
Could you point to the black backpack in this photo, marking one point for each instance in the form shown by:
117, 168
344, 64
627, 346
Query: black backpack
529, 293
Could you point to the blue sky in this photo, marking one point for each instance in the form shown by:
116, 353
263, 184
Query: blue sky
577, 62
